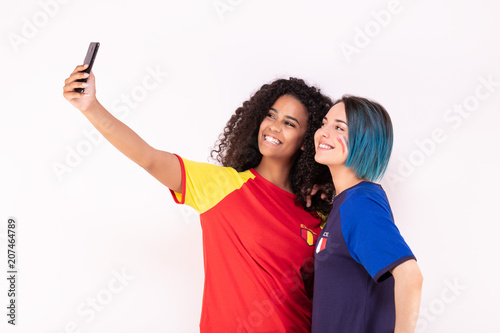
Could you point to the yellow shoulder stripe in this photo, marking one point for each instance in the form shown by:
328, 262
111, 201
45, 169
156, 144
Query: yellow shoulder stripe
206, 184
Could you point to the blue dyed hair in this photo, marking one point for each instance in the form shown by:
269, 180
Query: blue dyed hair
370, 137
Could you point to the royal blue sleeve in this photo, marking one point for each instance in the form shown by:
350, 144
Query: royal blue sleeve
370, 234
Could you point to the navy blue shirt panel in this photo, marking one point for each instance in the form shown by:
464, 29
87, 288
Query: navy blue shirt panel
359, 245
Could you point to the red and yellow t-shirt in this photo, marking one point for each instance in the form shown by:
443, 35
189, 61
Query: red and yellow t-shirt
258, 248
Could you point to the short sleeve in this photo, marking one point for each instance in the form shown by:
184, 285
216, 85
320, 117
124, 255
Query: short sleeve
371, 235
204, 184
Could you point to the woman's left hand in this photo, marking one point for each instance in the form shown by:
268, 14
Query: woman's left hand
317, 189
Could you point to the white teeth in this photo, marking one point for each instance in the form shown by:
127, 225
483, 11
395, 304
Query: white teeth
272, 140
321, 145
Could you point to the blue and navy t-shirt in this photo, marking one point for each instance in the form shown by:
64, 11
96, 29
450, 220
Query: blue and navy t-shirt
357, 248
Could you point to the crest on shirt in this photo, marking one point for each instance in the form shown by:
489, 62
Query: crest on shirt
322, 242
308, 235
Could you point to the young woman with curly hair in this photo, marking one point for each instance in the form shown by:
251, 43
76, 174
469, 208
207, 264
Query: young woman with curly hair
258, 234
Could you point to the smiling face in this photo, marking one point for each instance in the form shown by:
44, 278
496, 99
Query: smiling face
282, 131
330, 139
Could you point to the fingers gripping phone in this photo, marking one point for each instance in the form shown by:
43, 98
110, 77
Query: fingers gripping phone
89, 59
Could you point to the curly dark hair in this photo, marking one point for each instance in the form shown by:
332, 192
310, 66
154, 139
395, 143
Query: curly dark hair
237, 146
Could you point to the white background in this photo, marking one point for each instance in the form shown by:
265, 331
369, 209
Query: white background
104, 216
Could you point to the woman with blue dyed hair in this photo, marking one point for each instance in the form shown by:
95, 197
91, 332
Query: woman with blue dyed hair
366, 277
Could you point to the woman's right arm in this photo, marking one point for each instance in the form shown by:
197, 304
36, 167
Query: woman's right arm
162, 165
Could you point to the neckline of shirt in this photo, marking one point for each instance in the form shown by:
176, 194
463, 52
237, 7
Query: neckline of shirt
271, 185
353, 187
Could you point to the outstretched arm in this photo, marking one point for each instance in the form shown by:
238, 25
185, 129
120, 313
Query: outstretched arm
162, 165
407, 292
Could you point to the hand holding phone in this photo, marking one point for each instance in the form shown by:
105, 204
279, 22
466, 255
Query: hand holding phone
89, 59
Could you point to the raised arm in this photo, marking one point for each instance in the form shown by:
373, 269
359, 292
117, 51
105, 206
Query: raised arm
407, 293
162, 165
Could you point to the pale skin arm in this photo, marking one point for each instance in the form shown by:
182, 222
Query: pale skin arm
164, 166
407, 292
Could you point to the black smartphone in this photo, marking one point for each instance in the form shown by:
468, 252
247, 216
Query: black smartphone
89, 59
